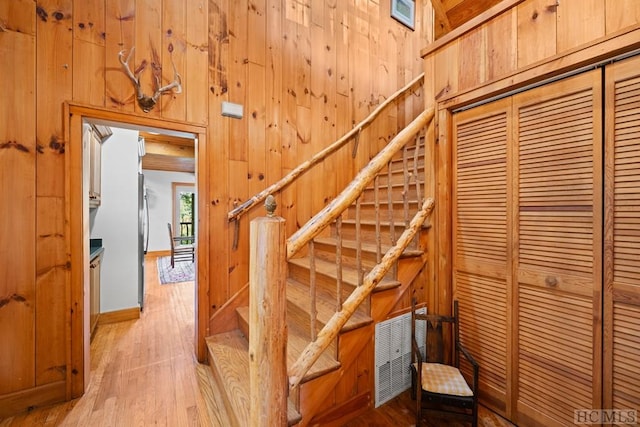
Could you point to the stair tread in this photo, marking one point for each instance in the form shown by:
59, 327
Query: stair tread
230, 353
349, 274
325, 304
296, 342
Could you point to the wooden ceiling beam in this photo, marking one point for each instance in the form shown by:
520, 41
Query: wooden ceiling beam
168, 149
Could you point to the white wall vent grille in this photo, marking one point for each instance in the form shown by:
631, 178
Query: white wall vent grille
393, 356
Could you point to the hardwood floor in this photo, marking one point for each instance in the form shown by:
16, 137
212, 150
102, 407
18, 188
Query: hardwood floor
144, 372
400, 412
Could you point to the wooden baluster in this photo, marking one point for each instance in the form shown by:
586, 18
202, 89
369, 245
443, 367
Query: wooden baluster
405, 189
416, 178
392, 227
313, 311
331, 329
376, 187
392, 230
339, 263
358, 243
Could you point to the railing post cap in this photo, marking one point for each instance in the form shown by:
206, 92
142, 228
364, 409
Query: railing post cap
270, 205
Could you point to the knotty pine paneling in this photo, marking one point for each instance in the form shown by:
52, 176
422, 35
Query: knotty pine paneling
579, 22
621, 14
535, 17
88, 72
18, 206
502, 32
289, 133
316, 64
51, 302
148, 41
196, 73
448, 59
53, 52
220, 233
256, 118
473, 62
238, 69
88, 22
19, 16
274, 64
120, 32
174, 49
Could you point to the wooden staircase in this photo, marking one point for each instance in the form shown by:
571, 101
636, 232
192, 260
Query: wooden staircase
228, 351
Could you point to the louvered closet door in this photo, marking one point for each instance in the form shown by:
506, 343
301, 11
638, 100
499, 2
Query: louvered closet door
622, 236
558, 183
481, 241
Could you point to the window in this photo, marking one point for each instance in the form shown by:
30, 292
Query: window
183, 209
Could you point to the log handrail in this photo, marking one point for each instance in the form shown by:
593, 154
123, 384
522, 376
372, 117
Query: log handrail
330, 212
320, 156
312, 351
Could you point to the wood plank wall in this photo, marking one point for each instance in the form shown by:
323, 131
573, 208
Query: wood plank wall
304, 70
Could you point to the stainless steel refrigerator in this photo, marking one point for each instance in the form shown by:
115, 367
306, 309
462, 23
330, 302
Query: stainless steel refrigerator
143, 235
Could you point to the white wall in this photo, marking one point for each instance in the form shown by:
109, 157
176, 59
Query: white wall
160, 196
115, 221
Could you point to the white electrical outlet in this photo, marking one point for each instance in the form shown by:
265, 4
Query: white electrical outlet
229, 109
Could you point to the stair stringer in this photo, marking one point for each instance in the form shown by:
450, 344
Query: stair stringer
313, 393
225, 318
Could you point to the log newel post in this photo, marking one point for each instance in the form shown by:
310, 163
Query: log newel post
267, 318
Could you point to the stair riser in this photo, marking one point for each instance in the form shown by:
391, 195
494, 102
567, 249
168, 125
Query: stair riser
299, 313
368, 211
297, 319
397, 194
328, 253
397, 176
327, 282
368, 232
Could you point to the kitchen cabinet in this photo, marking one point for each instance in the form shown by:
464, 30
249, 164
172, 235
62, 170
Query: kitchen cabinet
94, 291
97, 135
95, 174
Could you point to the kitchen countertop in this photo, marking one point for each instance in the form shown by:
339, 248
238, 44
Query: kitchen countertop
95, 248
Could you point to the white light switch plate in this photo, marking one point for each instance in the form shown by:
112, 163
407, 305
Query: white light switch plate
229, 109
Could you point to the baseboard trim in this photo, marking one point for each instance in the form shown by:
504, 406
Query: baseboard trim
25, 400
119, 316
158, 254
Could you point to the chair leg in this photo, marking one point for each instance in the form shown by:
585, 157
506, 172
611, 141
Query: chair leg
474, 422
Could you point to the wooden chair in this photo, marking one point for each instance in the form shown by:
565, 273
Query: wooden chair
443, 389
181, 251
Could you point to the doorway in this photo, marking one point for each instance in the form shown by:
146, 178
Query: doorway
77, 187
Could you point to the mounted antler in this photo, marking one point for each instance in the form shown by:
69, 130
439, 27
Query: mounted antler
148, 102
